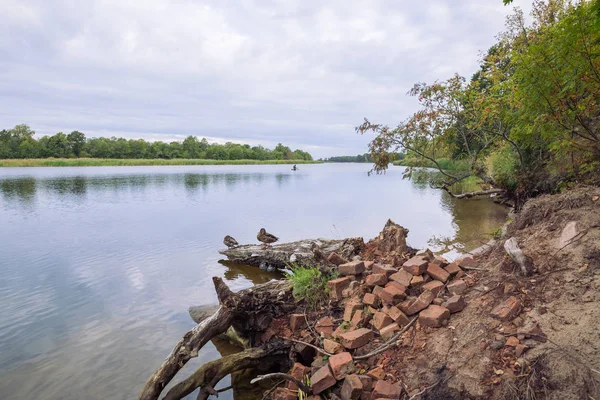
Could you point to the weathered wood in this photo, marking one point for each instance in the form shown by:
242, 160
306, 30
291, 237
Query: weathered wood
207, 376
249, 311
516, 254
304, 252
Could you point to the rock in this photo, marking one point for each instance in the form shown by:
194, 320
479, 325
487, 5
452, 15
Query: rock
438, 273
352, 268
420, 303
284, 394
455, 304
341, 365
381, 320
417, 281
392, 239
298, 371
337, 286
297, 321
389, 331
397, 316
357, 338
200, 313
426, 254
457, 287
325, 326
402, 277
371, 300
508, 309
332, 347
386, 390
350, 308
497, 345
376, 373
467, 263
384, 269
520, 349
352, 388
416, 266
511, 246
452, 269
336, 259
434, 286
512, 342
434, 316
369, 265
321, 380
568, 233
376, 280
392, 295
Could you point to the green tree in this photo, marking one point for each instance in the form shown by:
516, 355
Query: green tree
77, 142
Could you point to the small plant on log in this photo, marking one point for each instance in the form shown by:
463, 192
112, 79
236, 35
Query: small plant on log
310, 284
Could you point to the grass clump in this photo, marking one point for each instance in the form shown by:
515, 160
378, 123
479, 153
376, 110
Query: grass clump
310, 284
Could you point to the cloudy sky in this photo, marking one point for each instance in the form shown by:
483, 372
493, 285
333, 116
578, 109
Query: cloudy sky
301, 72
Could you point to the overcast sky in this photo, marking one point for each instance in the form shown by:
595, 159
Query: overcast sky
301, 72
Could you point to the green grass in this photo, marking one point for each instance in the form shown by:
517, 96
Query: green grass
112, 162
310, 283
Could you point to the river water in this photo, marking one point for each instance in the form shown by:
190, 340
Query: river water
99, 265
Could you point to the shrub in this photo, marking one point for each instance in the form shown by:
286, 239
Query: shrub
310, 283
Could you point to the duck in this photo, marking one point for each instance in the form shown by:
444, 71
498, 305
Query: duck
230, 242
266, 238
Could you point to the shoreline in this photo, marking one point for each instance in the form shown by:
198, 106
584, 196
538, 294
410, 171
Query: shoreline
129, 162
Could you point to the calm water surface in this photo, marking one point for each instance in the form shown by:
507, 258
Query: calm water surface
99, 265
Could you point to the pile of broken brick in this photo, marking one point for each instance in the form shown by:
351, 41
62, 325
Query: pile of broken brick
380, 302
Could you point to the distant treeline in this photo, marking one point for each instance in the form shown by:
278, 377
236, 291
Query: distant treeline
361, 158
19, 142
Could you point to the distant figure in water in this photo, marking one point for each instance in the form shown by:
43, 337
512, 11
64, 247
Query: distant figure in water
266, 238
230, 242
294, 168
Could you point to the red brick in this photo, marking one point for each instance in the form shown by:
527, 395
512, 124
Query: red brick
438, 273
457, 287
397, 316
376, 280
297, 321
388, 331
392, 295
397, 285
403, 306
351, 306
371, 300
508, 309
284, 394
440, 261
426, 254
325, 326
381, 320
512, 341
420, 302
386, 390
416, 265
337, 286
460, 274
357, 338
455, 304
402, 277
384, 269
336, 259
352, 268
321, 380
341, 365
358, 318
376, 290
298, 371
369, 265
453, 269
377, 373
332, 347
437, 301
434, 286
434, 316
467, 263
417, 281
352, 388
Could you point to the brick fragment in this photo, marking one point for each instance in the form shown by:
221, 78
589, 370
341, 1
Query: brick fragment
376, 280
298, 371
325, 326
457, 287
336, 259
434, 316
341, 365
389, 331
357, 338
440, 261
284, 394
351, 306
371, 300
508, 309
420, 303
337, 286
434, 286
377, 373
384, 269
369, 265
352, 388
386, 390
467, 263
322, 380
381, 320
455, 304
417, 281
426, 254
359, 318
297, 321
397, 285
376, 290
402, 277
332, 347
352, 268
367, 382
437, 273
452, 269
392, 295
397, 316
416, 265
512, 342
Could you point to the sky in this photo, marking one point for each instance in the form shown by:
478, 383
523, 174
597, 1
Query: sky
300, 72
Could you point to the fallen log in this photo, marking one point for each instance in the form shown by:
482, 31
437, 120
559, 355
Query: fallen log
307, 252
249, 312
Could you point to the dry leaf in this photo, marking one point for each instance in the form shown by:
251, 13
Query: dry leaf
595, 198
498, 371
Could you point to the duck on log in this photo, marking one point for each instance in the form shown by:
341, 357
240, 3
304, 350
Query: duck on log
302, 252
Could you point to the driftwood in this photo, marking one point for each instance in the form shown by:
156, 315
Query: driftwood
303, 252
249, 312
516, 254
